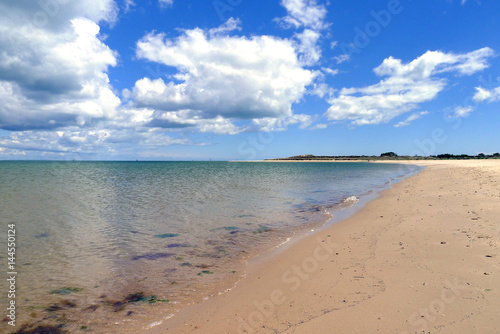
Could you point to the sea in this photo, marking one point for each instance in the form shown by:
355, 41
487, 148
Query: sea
109, 247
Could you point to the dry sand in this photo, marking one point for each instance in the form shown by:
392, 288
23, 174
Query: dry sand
422, 258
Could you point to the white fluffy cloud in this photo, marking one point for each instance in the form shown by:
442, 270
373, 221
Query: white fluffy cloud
304, 13
220, 77
308, 48
54, 76
406, 86
309, 16
485, 95
55, 15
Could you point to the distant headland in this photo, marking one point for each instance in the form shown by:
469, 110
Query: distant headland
385, 156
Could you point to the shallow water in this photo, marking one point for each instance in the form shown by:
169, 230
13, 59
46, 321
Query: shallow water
92, 236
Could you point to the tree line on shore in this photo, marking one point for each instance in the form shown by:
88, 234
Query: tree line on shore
391, 156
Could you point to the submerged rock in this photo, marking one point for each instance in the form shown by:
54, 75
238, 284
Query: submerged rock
167, 235
263, 228
225, 228
152, 256
53, 308
29, 329
91, 308
207, 272
65, 290
178, 245
245, 216
135, 297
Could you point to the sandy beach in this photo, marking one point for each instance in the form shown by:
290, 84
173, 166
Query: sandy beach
422, 258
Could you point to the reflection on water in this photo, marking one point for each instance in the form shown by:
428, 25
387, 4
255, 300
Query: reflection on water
105, 243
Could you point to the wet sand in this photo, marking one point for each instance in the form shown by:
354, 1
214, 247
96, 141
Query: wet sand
422, 258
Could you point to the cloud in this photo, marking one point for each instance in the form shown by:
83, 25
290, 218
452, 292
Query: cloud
406, 86
86, 143
435, 62
410, 119
303, 14
307, 47
54, 77
330, 71
342, 58
463, 111
166, 3
128, 5
309, 16
281, 124
183, 119
220, 77
319, 126
55, 15
230, 25
485, 95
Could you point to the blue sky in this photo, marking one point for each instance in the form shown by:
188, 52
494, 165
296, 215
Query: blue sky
244, 80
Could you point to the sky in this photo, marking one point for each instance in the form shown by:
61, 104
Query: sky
247, 80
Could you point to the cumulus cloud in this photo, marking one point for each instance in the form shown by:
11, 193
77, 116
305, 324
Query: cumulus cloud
410, 119
54, 15
406, 86
485, 95
220, 77
309, 16
308, 48
303, 13
53, 77
321, 89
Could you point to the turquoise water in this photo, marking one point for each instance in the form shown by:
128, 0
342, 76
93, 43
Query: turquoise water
175, 231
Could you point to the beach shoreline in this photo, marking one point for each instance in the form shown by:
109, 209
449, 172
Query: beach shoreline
422, 257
